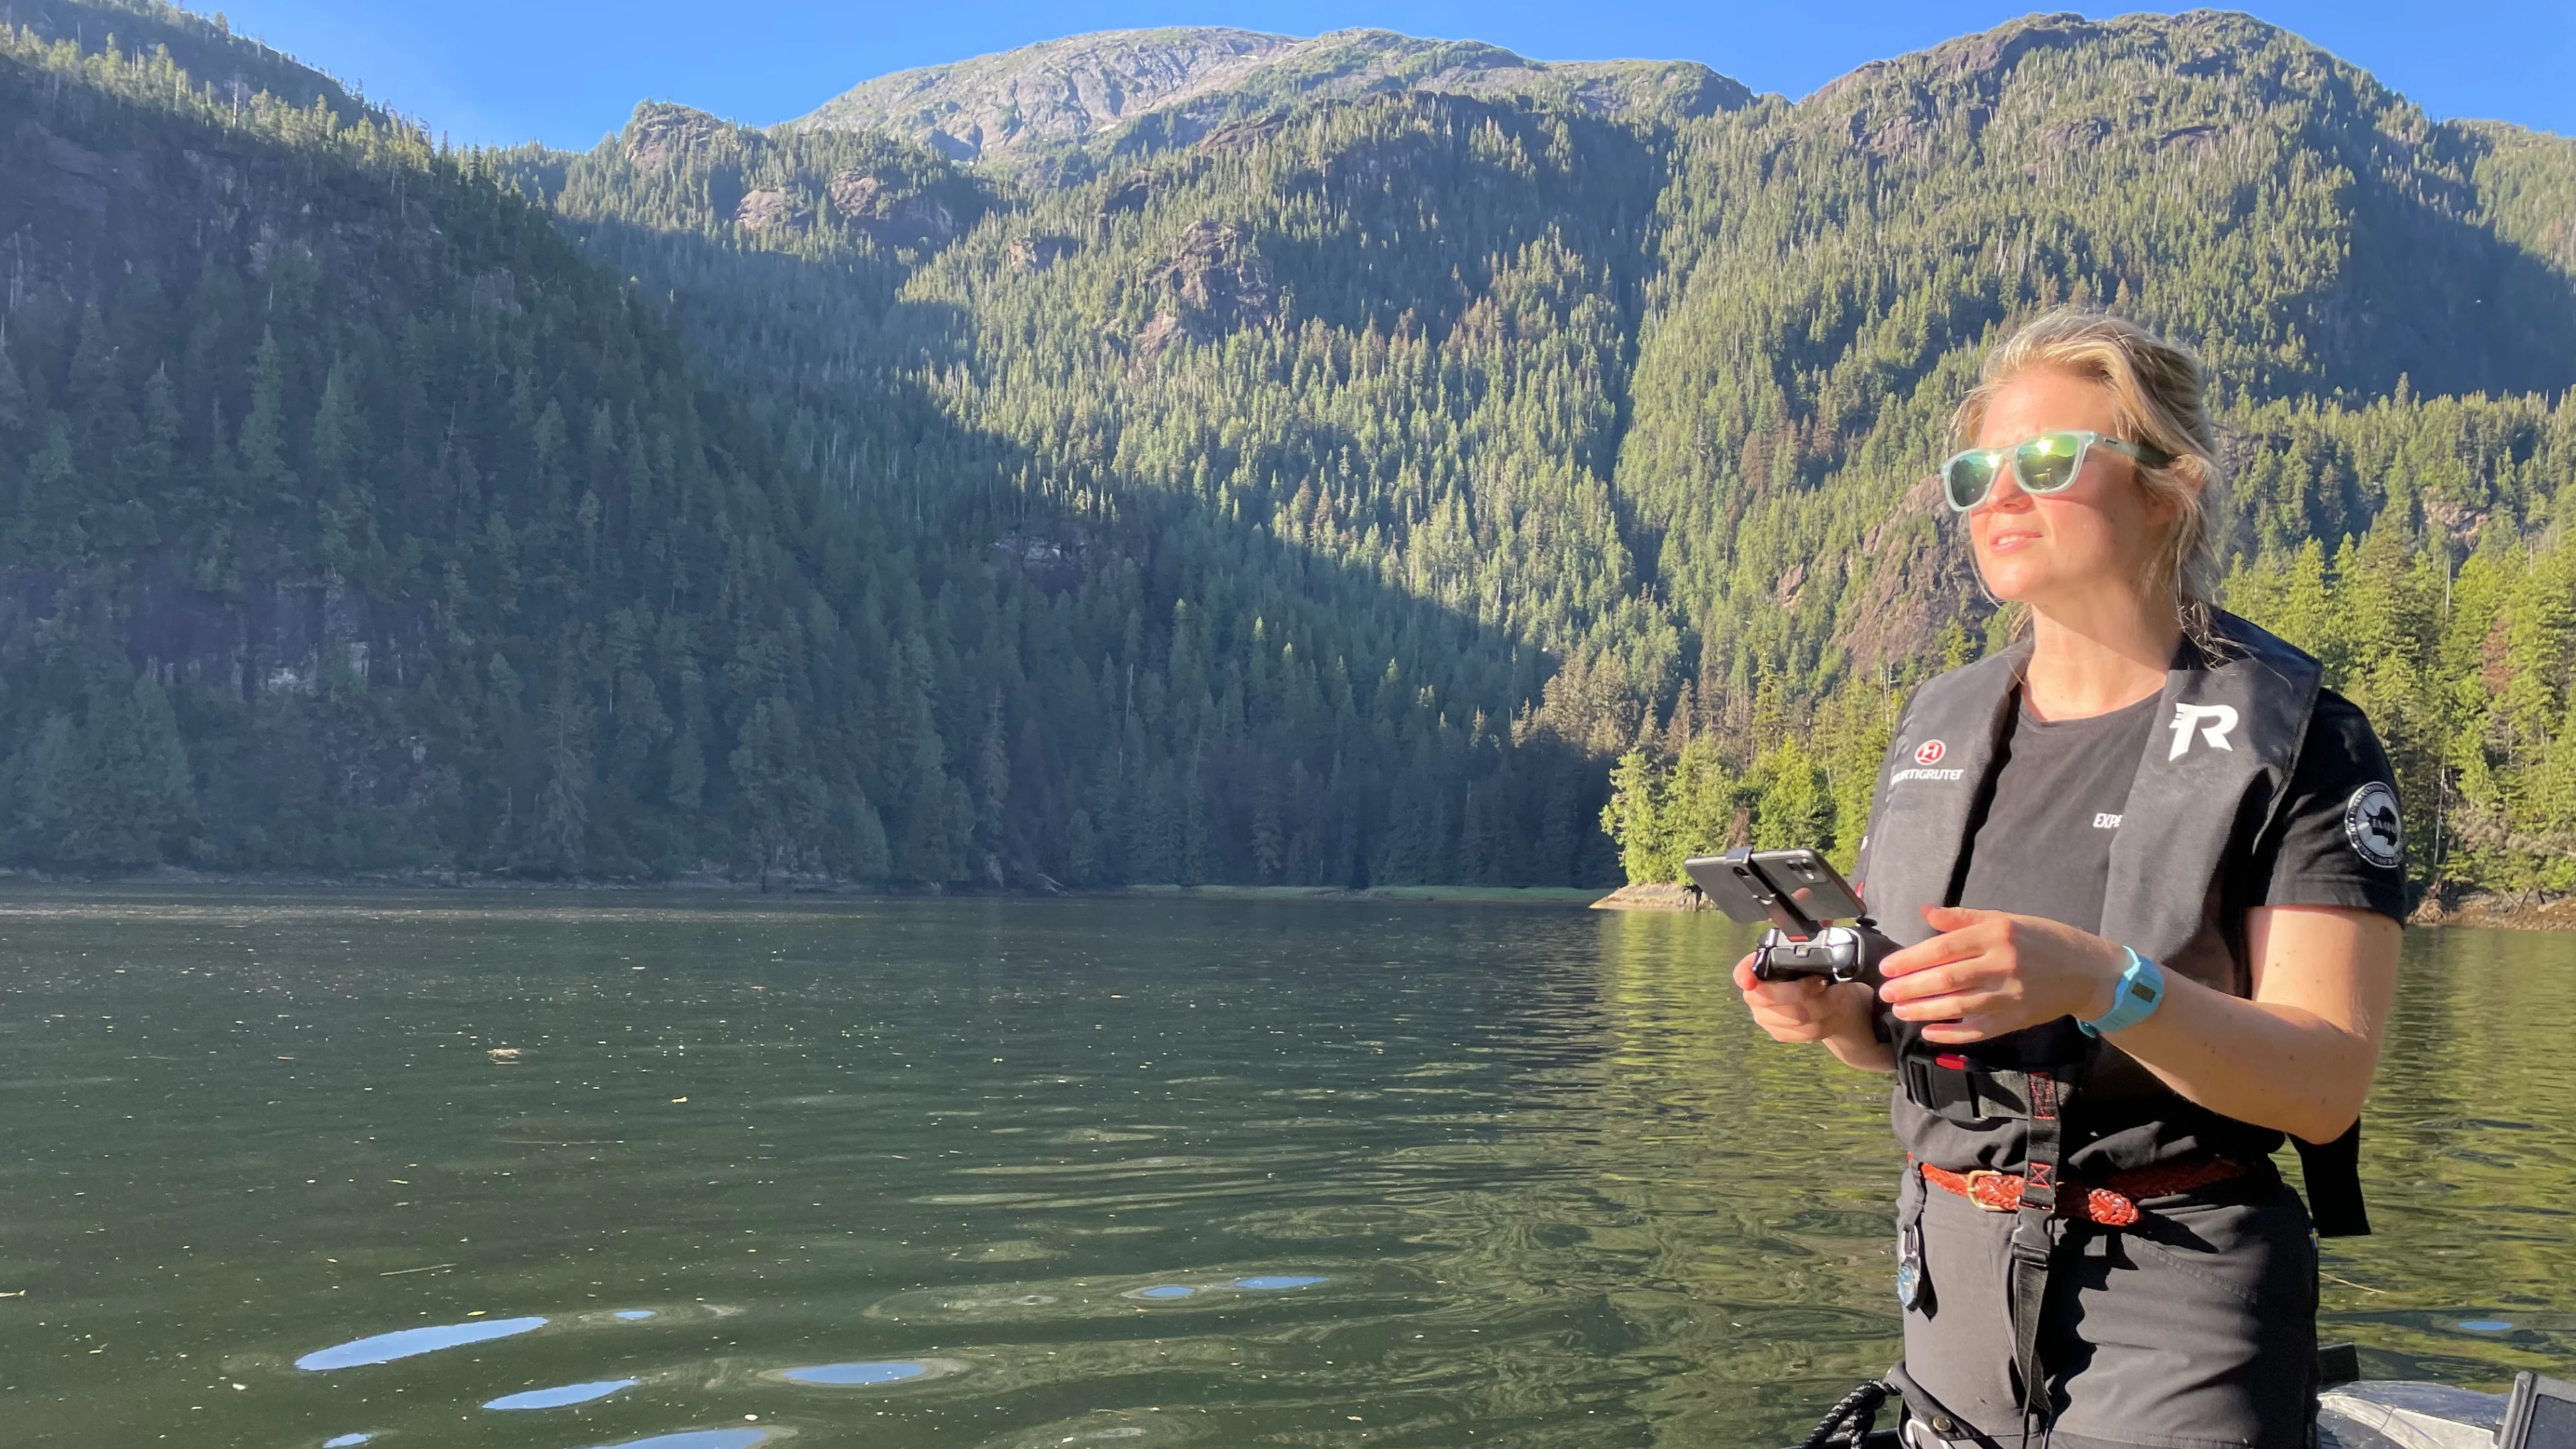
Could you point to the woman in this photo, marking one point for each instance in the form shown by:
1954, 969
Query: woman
2148, 881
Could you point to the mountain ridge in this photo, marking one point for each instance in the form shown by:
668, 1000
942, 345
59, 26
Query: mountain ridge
1091, 88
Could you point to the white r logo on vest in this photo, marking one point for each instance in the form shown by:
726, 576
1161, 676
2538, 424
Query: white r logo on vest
2212, 720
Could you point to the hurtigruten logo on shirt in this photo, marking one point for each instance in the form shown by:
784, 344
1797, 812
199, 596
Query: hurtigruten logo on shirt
1926, 754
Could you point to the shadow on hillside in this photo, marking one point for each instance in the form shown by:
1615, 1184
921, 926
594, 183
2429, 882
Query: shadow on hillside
1378, 265
1372, 791
2443, 301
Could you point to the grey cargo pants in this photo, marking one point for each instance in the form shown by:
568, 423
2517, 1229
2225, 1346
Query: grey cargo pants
2193, 1329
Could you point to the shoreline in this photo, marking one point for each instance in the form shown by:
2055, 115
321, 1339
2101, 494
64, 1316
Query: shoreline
711, 885
2489, 910
2496, 910
1654, 896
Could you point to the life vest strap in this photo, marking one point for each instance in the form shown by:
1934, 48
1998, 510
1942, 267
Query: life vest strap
2034, 1248
2332, 1172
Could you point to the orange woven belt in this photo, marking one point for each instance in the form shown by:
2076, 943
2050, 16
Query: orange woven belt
2112, 1205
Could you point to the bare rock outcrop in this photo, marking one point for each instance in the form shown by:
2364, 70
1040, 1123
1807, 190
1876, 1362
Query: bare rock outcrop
1051, 560
770, 209
1166, 331
1918, 580
1219, 276
660, 133
886, 209
1037, 253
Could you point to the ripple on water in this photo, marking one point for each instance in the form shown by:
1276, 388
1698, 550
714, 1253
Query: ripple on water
386, 1347
985, 1304
1091, 1429
556, 1398
695, 1439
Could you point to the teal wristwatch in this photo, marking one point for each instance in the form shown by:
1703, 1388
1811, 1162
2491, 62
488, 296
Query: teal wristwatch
2142, 990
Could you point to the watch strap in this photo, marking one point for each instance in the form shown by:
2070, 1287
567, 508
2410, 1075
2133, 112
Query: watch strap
2141, 991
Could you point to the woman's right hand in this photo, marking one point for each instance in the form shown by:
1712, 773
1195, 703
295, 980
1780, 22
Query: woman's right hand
1807, 1008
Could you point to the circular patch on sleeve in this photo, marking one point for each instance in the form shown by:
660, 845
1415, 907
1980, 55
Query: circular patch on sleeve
2371, 823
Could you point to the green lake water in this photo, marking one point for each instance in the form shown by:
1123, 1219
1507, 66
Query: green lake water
1007, 1173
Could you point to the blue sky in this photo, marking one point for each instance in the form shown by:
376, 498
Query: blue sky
568, 71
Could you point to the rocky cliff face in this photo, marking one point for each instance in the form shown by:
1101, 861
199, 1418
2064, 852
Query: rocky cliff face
1175, 86
775, 188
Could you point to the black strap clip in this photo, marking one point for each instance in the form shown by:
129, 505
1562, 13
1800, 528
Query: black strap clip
1967, 1093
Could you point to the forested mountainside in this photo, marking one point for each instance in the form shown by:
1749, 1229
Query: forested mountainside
356, 520
1320, 481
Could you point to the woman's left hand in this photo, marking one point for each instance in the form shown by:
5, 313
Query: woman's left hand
1990, 972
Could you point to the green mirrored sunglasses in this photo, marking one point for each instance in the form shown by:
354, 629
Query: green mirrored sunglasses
2044, 464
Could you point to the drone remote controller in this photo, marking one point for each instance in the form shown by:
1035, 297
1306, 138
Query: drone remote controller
1797, 892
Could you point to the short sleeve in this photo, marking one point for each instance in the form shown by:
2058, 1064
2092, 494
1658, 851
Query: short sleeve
2338, 839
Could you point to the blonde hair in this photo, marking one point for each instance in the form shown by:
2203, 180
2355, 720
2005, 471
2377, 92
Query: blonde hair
2157, 391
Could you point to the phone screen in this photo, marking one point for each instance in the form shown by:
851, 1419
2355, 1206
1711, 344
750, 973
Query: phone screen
2551, 1422
1809, 879
1733, 887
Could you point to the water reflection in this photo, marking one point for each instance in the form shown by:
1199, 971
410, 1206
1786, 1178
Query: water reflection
871, 1374
557, 1398
387, 1347
696, 1439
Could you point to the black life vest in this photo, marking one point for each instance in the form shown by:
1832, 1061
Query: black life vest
2211, 779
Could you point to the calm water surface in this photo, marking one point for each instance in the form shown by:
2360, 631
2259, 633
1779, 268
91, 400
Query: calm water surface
532, 1172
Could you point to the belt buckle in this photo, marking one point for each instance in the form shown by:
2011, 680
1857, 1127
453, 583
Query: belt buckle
1982, 1189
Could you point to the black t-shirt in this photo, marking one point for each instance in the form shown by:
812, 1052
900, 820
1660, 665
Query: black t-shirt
2043, 848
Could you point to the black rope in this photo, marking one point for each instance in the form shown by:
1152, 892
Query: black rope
1857, 1412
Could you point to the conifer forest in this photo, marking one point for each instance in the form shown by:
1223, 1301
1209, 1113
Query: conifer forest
1444, 471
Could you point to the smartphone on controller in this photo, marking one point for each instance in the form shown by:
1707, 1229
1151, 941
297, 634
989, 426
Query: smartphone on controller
1754, 886
1796, 892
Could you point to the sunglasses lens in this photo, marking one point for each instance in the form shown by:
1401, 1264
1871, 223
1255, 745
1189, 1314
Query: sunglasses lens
1968, 478
2047, 463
